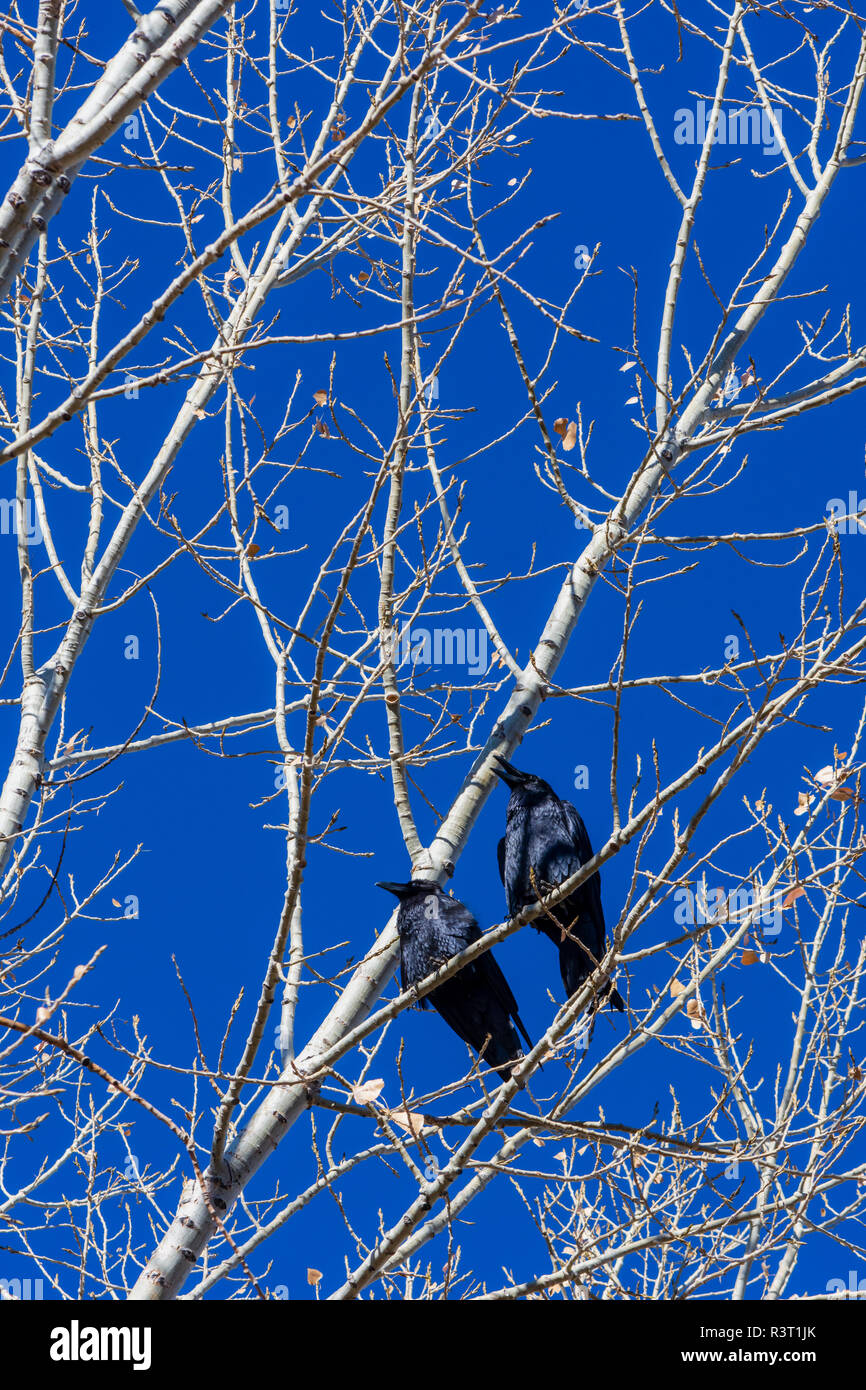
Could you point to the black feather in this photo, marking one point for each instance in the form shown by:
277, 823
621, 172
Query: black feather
546, 841
477, 1002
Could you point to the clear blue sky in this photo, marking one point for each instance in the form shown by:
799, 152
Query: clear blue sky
210, 878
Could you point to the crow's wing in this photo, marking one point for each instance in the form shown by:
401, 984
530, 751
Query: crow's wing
590, 892
407, 962
578, 832
553, 851
490, 971
414, 959
585, 902
438, 927
454, 928
470, 1007
483, 975
454, 1004
457, 929
500, 855
510, 877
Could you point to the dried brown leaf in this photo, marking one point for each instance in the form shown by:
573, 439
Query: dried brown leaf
368, 1091
408, 1119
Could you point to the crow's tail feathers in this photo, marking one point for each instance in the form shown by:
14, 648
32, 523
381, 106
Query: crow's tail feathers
615, 999
612, 995
504, 1054
519, 1021
527, 1039
504, 1073
500, 1059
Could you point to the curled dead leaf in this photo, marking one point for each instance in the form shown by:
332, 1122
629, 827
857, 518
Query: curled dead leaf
749, 957
411, 1120
320, 397
314, 1276
570, 437
368, 1091
827, 777
792, 895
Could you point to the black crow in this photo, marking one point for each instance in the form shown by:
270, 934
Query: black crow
476, 1002
548, 836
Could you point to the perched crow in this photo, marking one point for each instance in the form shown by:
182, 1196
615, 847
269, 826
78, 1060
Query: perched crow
476, 1002
548, 836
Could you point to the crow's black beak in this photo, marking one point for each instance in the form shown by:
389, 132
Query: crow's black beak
508, 773
398, 889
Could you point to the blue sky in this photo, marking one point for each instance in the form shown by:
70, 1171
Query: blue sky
210, 876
